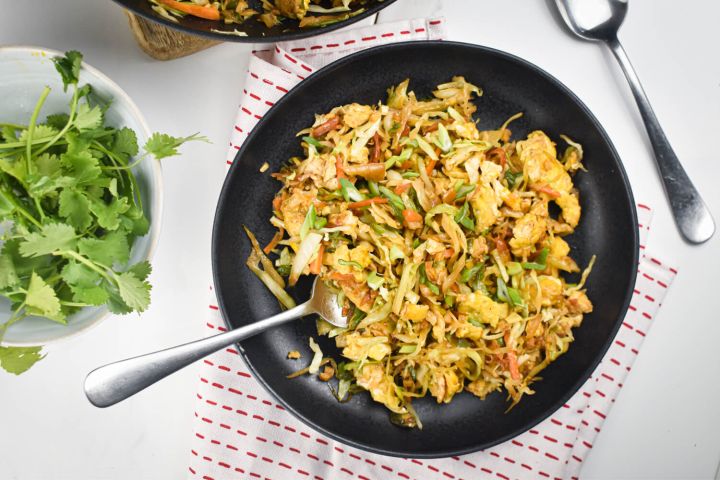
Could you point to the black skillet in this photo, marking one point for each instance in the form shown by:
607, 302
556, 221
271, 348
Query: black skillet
607, 229
256, 31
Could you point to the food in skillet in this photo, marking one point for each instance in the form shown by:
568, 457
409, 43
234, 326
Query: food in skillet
441, 242
309, 13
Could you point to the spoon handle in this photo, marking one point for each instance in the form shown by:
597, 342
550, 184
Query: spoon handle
691, 214
112, 383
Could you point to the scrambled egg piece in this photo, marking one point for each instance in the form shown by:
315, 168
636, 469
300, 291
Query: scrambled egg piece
295, 208
381, 387
482, 308
527, 231
359, 347
444, 384
355, 114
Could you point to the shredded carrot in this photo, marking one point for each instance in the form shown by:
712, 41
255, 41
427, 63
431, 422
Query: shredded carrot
324, 128
412, 219
406, 164
402, 188
340, 173
317, 264
342, 277
497, 155
273, 243
448, 253
513, 365
367, 203
277, 201
376, 148
203, 11
431, 128
430, 166
449, 196
552, 193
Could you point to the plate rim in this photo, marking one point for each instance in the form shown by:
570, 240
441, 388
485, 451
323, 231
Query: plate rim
587, 373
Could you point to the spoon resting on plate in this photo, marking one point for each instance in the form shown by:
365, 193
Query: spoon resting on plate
112, 383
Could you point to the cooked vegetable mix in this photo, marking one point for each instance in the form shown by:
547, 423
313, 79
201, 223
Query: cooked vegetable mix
440, 240
309, 13
70, 210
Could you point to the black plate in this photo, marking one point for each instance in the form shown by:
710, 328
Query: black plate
256, 31
608, 229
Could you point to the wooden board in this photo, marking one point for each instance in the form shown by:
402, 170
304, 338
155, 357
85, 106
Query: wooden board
163, 43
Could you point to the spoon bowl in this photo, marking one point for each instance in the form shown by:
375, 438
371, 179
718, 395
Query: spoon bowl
594, 20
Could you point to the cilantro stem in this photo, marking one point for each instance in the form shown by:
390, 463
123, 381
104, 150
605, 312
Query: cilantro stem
31, 128
88, 263
115, 166
20, 209
16, 126
71, 118
74, 304
14, 318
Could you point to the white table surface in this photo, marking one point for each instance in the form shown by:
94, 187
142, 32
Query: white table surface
666, 420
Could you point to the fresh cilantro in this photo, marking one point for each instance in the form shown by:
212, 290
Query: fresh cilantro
41, 299
134, 292
106, 251
8, 275
162, 145
69, 67
88, 118
71, 209
75, 208
17, 360
50, 238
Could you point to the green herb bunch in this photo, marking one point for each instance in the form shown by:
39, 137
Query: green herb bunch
70, 210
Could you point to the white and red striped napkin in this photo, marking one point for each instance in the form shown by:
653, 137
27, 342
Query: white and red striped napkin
240, 431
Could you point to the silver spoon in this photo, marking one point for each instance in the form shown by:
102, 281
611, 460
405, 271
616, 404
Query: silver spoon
599, 20
117, 381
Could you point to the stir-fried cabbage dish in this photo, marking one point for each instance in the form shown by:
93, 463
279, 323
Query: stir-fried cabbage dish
308, 13
444, 242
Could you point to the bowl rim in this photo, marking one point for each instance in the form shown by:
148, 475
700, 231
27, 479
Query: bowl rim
156, 194
586, 374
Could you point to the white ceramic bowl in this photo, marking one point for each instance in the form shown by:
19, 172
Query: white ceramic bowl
24, 71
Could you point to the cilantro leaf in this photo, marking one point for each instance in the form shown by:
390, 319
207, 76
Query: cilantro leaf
17, 360
52, 237
69, 67
106, 251
125, 144
116, 304
41, 299
83, 166
75, 208
41, 132
87, 118
24, 266
108, 215
94, 295
8, 275
141, 269
57, 120
48, 165
134, 292
79, 275
8, 133
162, 145
135, 222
